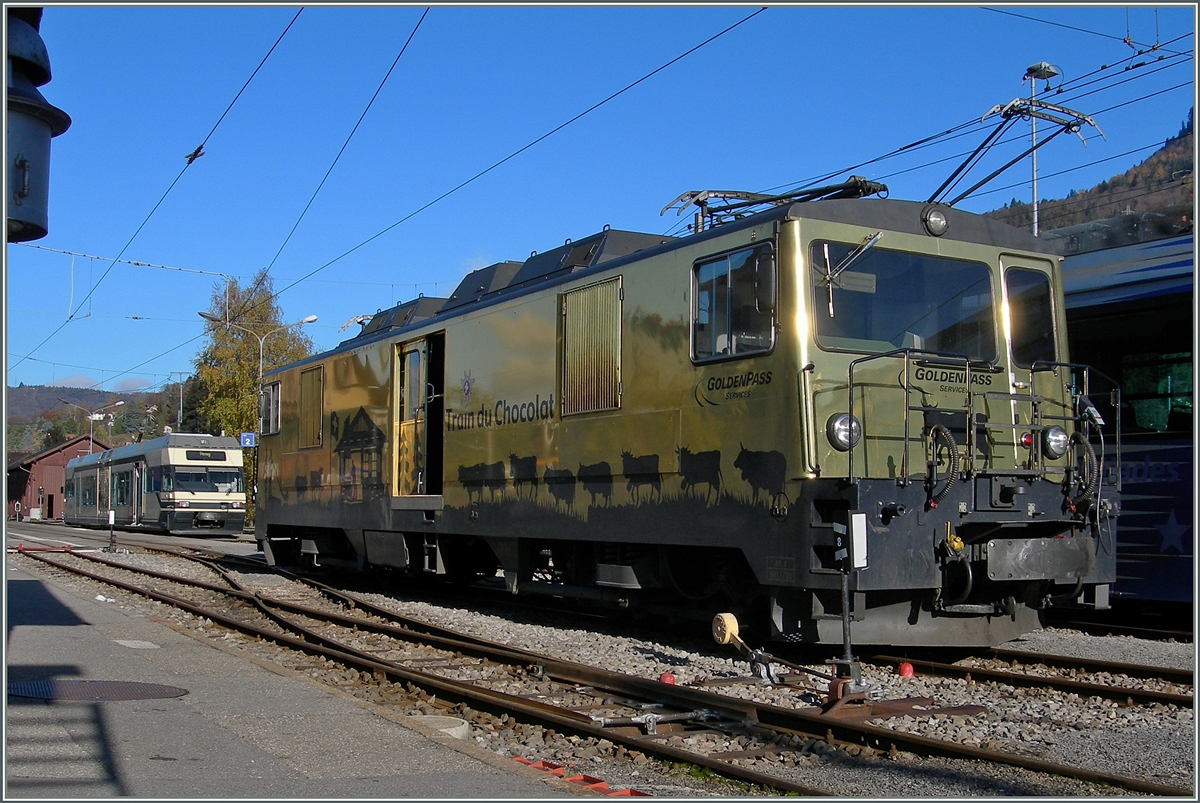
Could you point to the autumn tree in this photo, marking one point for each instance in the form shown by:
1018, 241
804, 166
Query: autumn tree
243, 323
247, 319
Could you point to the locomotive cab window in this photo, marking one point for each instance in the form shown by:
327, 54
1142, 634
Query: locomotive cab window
733, 304
888, 299
1030, 316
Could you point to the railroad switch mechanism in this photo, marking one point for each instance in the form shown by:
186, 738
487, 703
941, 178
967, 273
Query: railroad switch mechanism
846, 697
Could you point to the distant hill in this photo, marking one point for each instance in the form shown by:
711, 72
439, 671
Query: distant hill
27, 402
1164, 179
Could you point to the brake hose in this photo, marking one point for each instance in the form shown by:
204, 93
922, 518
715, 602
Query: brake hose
1092, 464
934, 431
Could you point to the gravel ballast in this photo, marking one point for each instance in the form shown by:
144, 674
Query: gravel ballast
1155, 743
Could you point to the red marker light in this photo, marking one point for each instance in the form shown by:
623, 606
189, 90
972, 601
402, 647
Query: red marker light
1027, 440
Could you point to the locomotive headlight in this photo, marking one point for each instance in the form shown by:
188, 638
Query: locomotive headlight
843, 431
935, 221
1055, 441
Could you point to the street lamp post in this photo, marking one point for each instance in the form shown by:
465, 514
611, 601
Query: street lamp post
179, 415
208, 316
93, 416
1040, 71
259, 397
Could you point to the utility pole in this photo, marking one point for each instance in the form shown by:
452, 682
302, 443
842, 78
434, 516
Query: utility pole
1045, 72
179, 416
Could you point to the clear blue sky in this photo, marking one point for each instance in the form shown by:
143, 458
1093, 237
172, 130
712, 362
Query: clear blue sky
793, 94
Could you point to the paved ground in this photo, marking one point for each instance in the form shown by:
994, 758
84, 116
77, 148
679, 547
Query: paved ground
241, 731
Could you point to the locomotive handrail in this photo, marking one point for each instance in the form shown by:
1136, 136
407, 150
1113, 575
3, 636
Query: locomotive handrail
810, 429
1049, 365
951, 360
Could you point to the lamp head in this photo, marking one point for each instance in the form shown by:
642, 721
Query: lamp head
1042, 70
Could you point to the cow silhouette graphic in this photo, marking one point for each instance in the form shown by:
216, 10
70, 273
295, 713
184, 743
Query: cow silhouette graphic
640, 471
524, 473
597, 480
700, 467
765, 471
561, 484
482, 475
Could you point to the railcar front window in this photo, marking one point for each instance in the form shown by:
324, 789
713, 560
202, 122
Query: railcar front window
727, 319
204, 479
1030, 316
192, 480
226, 481
893, 299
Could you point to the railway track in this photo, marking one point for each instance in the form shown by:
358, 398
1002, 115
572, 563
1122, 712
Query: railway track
696, 726
1040, 672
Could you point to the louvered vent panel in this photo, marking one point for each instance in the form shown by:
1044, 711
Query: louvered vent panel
311, 404
591, 378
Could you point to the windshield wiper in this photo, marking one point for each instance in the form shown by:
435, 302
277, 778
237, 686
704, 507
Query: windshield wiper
831, 274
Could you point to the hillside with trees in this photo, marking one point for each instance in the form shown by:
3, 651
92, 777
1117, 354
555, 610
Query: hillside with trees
1162, 180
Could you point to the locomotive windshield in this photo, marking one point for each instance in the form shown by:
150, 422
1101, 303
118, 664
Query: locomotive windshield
199, 478
894, 299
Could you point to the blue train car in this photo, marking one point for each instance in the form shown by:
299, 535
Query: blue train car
1128, 284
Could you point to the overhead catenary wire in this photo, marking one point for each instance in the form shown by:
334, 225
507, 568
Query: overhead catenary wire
508, 158
949, 134
1071, 27
199, 151
955, 132
141, 264
1071, 169
318, 280
258, 280
1069, 206
463, 184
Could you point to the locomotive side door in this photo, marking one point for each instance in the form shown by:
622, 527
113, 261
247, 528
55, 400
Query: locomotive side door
418, 401
139, 472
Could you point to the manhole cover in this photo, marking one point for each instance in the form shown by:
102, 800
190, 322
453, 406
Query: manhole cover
92, 690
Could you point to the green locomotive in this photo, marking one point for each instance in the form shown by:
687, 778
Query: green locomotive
838, 406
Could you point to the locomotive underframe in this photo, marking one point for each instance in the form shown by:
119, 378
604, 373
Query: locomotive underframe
1018, 551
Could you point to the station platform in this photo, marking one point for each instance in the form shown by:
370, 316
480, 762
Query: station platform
241, 730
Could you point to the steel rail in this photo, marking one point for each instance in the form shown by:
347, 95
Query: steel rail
1103, 629
555, 716
1120, 694
778, 718
1183, 677
770, 717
